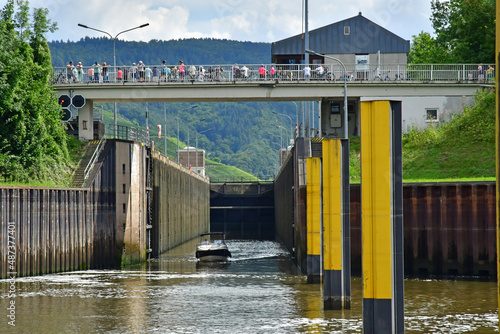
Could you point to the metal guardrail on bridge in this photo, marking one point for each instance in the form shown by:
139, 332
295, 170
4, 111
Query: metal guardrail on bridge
235, 179
171, 74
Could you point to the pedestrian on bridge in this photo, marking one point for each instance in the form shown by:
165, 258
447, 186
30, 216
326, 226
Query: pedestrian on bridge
262, 72
307, 72
147, 72
119, 74
141, 68
133, 70
182, 70
201, 75
155, 74
97, 70
90, 73
105, 72
69, 71
79, 69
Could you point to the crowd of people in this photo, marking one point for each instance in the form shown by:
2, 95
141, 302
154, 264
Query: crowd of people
101, 73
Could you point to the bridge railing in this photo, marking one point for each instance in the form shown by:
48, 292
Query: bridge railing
157, 74
127, 133
236, 179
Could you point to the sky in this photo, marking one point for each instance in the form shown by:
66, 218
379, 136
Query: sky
242, 20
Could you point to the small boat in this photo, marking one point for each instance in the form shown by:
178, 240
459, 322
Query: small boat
212, 248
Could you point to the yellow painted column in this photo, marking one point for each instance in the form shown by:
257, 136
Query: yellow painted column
313, 196
381, 215
497, 141
336, 223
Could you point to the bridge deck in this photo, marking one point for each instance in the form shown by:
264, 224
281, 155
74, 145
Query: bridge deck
274, 90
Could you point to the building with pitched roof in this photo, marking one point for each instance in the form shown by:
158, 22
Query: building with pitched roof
355, 40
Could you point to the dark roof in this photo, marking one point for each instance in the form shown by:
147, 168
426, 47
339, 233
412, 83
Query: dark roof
365, 37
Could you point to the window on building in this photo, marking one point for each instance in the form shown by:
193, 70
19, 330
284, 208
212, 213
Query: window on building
347, 30
124, 168
124, 208
431, 115
124, 188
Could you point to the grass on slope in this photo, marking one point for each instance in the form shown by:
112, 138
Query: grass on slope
461, 150
222, 173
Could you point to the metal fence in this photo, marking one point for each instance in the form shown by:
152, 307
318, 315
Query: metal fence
158, 74
127, 133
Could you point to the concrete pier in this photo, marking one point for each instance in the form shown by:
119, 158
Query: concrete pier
181, 204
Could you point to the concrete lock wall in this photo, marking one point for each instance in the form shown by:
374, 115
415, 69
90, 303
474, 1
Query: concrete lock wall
48, 230
449, 229
290, 204
181, 204
61, 229
130, 171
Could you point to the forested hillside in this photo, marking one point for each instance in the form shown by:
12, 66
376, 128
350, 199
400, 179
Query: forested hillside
191, 51
244, 135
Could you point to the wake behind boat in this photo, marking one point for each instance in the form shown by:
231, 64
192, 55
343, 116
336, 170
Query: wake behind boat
212, 248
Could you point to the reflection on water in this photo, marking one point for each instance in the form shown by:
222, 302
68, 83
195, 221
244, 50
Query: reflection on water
258, 291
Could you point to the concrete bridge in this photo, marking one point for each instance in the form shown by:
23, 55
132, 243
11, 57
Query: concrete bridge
418, 97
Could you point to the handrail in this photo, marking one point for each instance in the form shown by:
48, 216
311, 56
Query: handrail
236, 179
93, 159
128, 133
123, 132
281, 72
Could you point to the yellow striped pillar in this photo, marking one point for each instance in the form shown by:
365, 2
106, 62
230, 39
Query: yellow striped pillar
382, 217
336, 223
497, 141
313, 196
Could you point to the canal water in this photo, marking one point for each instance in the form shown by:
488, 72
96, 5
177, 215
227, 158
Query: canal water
258, 291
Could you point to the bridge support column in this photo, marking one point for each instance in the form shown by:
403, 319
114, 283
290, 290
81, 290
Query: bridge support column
313, 220
336, 223
86, 121
382, 217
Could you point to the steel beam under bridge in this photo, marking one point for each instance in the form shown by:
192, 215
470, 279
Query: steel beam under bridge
263, 91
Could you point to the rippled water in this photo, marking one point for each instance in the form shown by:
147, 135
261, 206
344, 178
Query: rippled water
258, 291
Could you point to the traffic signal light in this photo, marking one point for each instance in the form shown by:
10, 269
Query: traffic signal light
78, 101
64, 101
67, 115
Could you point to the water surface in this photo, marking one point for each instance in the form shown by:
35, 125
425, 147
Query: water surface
258, 291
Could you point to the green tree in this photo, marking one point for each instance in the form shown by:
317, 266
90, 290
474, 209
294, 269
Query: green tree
425, 50
466, 29
32, 137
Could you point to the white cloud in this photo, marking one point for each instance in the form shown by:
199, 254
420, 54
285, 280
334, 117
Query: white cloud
257, 20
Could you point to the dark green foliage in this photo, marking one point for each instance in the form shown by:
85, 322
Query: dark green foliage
425, 50
466, 28
239, 136
32, 138
465, 33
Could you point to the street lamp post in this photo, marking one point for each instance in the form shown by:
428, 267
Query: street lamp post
296, 117
192, 107
199, 133
291, 122
279, 151
281, 143
114, 54
346, 134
